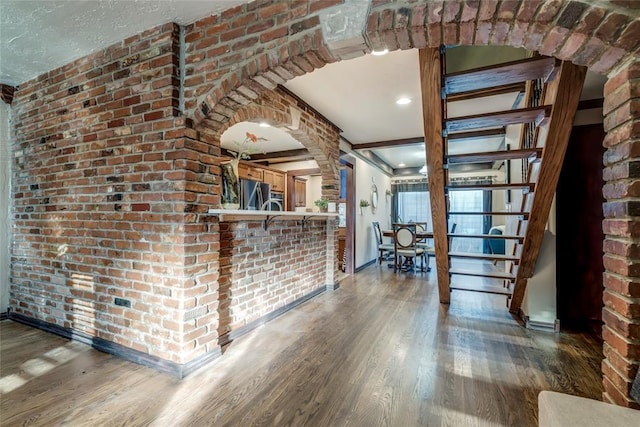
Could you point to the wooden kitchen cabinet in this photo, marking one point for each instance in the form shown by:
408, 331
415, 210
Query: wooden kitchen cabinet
300, 192
275, 179
247, 171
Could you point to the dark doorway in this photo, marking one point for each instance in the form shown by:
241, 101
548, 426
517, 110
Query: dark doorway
579, 225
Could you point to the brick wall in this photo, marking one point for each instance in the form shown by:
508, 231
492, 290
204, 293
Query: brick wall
263, 270
110, 181
98, 196
621, 313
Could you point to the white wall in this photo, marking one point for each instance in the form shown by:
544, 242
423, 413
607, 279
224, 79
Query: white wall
5, 225
539, 303
314, 190
365, 244
499, 205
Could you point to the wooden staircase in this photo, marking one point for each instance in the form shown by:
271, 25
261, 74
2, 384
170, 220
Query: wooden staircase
546, 124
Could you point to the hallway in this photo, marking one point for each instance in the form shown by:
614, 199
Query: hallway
380, 350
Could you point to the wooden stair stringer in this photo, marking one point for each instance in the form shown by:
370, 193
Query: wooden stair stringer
564, 94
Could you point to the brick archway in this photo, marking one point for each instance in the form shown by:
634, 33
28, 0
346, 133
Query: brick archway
251, 58
277, 108
235, 58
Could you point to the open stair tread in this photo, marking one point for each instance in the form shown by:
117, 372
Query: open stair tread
484, 92
490, 156
483, 213
479, 273
489, 257
497, 119
528, 186
487, 236
507, 73
477, 134
484, 289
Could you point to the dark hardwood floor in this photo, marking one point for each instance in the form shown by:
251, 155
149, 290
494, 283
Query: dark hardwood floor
379, 351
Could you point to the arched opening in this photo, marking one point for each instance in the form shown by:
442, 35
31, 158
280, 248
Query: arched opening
602, 37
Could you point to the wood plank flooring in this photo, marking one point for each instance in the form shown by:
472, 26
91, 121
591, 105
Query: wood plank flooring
380, 351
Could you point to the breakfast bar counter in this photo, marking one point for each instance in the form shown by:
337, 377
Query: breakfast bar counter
270, 262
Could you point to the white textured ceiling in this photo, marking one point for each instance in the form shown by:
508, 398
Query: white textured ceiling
360, 95
38, 36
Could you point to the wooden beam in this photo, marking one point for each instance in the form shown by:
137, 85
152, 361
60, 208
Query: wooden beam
430, 82
568, 85
280, 154
391, 143
372, 159
279, 160
272, 155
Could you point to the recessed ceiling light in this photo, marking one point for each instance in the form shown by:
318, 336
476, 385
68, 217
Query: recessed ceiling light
380, 52
403, 101
401, 165
265, 125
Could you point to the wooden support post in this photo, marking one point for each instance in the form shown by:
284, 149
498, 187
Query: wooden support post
566, 89
431, 80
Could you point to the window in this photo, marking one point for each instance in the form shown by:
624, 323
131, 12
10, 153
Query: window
414, 206
467, 201
411, 201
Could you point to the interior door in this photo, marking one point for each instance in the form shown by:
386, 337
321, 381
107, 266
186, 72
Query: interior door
350, 206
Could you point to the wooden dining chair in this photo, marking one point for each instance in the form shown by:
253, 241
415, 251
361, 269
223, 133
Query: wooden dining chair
422, 243
404, 240
384, 249
431, 251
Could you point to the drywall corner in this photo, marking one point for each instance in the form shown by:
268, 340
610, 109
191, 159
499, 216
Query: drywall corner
5, 202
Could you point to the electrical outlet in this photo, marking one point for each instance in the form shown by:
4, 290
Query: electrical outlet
122, 302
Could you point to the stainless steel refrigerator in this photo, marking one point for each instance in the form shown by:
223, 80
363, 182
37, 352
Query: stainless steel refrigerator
253, 194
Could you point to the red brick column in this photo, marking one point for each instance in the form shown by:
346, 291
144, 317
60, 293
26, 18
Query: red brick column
621, 313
